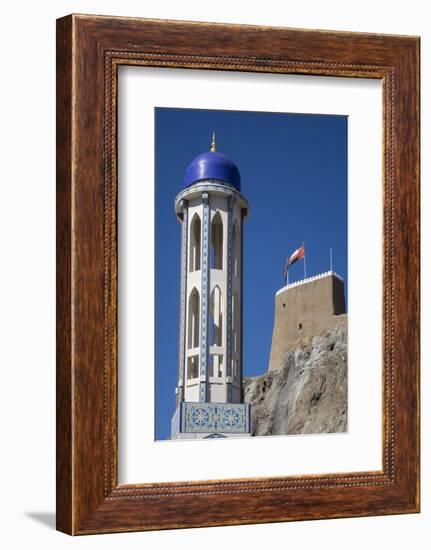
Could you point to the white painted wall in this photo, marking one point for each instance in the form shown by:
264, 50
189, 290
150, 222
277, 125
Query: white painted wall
27, 276
217, 282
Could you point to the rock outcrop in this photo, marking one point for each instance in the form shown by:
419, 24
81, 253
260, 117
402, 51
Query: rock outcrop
308, 393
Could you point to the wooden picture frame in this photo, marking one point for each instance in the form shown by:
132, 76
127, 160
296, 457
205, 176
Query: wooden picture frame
89, 51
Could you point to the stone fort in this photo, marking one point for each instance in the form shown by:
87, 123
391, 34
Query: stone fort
305, 309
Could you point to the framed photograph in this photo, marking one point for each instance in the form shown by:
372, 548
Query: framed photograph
237, 274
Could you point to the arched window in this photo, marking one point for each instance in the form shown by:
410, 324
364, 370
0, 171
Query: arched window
193, 367
216, 321
216, 332
217, 242
193, 332
195, 244
235, 248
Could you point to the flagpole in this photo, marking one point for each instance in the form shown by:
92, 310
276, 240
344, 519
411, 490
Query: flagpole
330, 257
286, 273
305, 262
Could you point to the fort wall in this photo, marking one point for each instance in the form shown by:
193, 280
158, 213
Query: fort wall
305, 309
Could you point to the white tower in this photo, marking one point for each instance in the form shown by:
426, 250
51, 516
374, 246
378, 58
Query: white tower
211, 210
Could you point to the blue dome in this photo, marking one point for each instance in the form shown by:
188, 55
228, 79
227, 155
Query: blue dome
212, 166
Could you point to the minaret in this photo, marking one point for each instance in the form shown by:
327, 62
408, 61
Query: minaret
211, 210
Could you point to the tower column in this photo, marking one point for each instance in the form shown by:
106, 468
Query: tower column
183, 301
231, 202
203, 374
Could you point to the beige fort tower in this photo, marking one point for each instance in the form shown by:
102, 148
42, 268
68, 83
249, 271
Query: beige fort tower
305, 309
211, 210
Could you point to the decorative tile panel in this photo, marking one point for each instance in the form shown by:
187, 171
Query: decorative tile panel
215, 417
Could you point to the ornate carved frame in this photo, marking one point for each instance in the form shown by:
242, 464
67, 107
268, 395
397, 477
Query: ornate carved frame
89, 51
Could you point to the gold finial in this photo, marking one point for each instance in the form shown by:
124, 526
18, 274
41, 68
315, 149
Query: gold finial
213, 144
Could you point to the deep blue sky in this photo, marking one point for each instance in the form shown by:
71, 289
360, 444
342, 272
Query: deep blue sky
294, 173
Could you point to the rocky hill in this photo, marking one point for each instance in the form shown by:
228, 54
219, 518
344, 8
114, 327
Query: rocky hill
308, 393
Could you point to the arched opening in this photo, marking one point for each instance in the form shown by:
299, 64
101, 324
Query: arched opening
193, 332
195, 244
216, 322
217, 242
216, 332
192, 367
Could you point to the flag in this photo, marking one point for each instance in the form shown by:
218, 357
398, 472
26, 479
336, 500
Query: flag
299, 254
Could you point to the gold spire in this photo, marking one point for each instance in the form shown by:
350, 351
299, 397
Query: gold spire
213, 144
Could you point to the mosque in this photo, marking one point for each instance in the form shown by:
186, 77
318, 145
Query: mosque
209, 395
